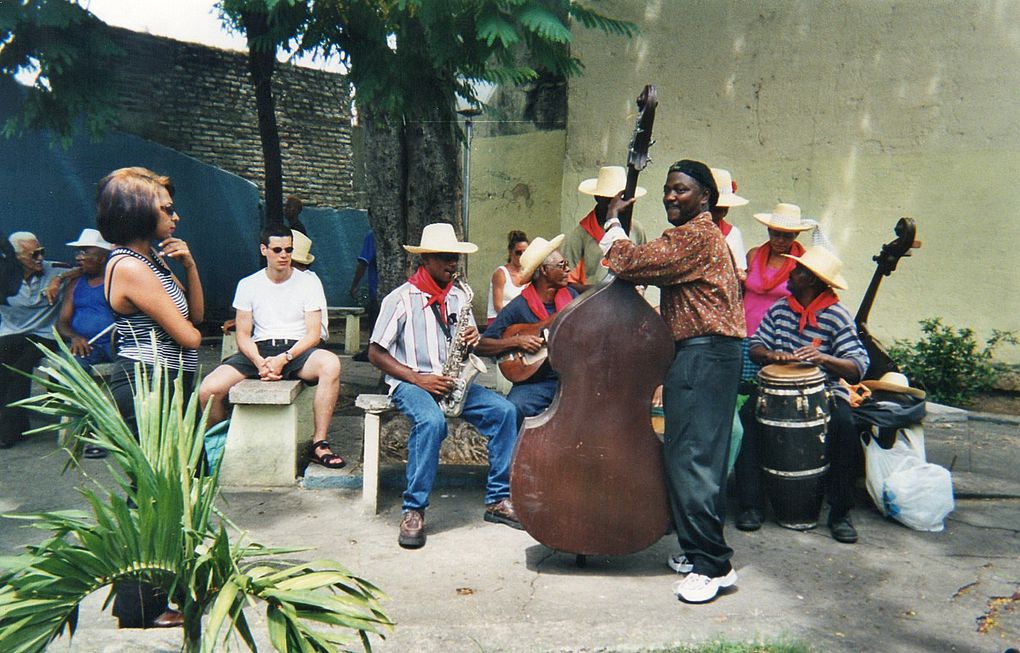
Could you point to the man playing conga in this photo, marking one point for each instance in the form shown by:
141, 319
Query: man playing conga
810, 326
545, 295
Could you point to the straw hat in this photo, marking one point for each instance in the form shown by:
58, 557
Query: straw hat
611, 180
302, 248
785, 217
91, 238
894, 382
440, 238
727, 189
824, 264
538, 250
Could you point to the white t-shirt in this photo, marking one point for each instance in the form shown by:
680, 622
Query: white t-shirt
278, 309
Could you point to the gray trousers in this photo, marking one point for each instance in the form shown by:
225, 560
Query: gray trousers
699, 397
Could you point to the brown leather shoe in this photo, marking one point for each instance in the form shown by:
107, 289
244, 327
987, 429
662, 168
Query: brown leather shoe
412, 530
169, 619
502, 512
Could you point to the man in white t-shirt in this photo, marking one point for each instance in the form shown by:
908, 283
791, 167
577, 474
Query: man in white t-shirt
279, 315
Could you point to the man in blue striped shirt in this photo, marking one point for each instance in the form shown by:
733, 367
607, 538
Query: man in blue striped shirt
810, 326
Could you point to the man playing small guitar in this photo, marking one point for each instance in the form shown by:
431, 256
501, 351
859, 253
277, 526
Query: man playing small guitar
518, 330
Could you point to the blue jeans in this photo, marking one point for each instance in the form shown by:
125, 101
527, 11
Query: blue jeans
491, 414
532, 398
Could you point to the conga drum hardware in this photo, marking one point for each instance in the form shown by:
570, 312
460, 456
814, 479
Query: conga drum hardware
793, 410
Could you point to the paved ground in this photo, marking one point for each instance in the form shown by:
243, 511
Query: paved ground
483, 587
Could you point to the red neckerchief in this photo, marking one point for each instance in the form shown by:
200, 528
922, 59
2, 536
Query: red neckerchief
770, 280
807, 314
725, 227
591, 224
537, 306
424, 282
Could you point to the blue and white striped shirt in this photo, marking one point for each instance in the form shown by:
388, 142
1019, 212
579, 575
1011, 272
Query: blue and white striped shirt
410, 332
836, 334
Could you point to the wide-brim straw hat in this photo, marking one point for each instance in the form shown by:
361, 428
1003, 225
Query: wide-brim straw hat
824, 264
727, 189
440, 238
302, 248
785, 217
611, 180
894, 382
538, 250
91, 238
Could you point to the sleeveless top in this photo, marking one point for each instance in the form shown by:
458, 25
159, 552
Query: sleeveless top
91, 313
758, 300
509, 291
134, 331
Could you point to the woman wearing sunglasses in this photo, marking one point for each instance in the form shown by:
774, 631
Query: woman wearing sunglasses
155, 316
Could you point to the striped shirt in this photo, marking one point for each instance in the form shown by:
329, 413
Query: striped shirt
835, 335
410, 332
135, 331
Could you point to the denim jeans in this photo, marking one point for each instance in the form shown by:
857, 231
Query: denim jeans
491, 414
532, 398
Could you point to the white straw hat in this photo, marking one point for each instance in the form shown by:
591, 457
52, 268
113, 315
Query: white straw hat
440, 238
538, 250
302, 248
91, 238
894, 382
727, 189
785, 217
611, 180
824, 264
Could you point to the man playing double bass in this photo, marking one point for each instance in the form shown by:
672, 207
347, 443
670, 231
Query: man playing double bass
701, 304
545, 296
809, 326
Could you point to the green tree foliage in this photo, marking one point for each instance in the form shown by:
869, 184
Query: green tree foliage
175, 539
947, 362
59, 42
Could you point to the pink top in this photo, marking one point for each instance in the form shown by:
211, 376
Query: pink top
757, 298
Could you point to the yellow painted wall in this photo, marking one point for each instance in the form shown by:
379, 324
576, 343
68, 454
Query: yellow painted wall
515, 184
860, 111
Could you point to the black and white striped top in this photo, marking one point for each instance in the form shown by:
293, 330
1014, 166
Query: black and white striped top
134, 331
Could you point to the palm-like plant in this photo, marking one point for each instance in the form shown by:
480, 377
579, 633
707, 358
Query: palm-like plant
174, 539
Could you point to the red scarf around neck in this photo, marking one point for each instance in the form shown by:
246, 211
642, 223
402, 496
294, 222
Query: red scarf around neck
725, 227
808, 314
537, 306
772, 278
424, 282
590, 223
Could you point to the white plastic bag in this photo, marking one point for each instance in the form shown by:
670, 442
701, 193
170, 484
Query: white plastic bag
919, 495
879, 463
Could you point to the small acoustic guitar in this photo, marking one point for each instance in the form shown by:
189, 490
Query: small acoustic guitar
518, 365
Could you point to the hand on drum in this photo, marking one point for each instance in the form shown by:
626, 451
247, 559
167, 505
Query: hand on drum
809, 354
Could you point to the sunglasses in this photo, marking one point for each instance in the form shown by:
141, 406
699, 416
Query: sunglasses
277, 250
561, 265
448, 258
39, 253
169, 209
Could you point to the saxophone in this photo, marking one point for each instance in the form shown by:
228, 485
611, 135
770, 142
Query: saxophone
461, 364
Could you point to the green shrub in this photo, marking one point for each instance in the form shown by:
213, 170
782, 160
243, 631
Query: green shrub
947, 363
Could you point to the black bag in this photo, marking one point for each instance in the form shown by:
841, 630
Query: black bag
10, 270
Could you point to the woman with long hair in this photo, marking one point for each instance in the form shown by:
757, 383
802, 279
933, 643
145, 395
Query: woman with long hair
507, 282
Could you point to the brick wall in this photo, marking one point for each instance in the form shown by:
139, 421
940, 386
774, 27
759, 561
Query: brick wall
200, 101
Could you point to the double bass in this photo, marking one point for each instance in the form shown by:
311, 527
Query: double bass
886, 260
588, 475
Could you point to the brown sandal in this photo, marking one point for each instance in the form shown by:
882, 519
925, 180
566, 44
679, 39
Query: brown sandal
326, 458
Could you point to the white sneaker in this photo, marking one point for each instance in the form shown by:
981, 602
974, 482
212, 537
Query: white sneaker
695, 588
679, 563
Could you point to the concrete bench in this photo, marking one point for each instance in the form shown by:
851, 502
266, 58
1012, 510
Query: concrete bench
270, 427
352, 333
374, 407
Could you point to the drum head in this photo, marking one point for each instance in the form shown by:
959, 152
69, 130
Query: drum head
787, 372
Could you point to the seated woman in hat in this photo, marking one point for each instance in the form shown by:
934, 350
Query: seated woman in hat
411, 342
809, 326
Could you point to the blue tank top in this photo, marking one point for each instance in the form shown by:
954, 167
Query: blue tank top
91, 313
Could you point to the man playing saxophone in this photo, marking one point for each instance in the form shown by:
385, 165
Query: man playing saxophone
420, 326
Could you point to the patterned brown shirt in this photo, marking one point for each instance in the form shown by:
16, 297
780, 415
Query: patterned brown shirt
694, 268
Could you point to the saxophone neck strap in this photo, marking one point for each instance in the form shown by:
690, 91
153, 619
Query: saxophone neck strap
441, 320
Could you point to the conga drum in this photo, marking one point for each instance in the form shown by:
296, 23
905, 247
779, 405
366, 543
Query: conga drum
793, 411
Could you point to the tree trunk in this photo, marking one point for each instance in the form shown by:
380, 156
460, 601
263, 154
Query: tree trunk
261, 64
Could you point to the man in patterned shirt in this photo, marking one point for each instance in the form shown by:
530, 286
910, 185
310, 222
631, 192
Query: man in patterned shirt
701, 303
809, 326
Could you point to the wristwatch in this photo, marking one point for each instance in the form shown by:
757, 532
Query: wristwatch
289, 356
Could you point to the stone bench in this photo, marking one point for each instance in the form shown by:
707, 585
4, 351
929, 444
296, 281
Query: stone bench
374, 406
270, 428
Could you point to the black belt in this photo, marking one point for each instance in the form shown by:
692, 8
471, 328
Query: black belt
276, 342
704, 340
